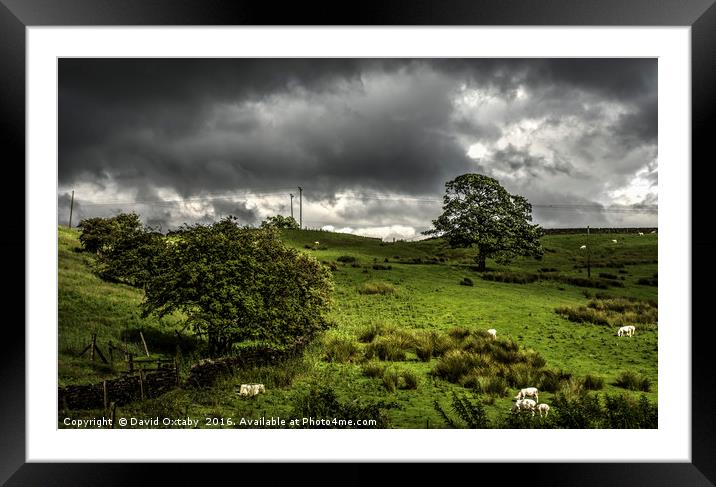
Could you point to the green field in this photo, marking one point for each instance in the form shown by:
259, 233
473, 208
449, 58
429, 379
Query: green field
426, 295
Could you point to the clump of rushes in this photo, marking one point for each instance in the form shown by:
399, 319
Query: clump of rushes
377, 288
633, 381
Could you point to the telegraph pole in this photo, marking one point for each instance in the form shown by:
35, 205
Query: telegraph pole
300, 208
72, 204
291, 204
589, 268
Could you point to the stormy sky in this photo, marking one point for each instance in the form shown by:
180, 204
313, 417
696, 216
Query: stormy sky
371, 141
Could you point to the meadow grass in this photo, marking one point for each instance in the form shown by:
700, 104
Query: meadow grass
418, 323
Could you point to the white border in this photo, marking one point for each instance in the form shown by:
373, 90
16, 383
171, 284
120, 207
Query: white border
671, 442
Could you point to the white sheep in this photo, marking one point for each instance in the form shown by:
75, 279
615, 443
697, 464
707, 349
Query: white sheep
251, 390
641, 234
582, 247
316, 243
543, 408
524, 405
614, 241
653, 231
626, 330
492, 332
528, 392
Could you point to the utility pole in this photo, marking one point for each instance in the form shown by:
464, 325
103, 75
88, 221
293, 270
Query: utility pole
589, 250
72, 204
300, 208
291, 204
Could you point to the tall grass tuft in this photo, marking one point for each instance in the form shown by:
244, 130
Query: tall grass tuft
377, 288
633, 381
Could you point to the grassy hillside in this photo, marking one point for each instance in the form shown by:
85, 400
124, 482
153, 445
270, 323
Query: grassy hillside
424, 294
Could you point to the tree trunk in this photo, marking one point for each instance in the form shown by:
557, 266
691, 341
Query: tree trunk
480, 258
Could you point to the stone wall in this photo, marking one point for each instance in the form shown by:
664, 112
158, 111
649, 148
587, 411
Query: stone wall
121, 390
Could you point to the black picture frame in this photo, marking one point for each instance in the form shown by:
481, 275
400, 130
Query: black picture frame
700, 15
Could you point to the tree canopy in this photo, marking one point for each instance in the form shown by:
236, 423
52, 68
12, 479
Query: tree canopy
239, 284
478, 211
280, 221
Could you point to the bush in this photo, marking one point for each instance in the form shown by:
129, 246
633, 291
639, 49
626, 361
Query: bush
614, 311
238, 284
633, 381
340, 350
381, 267
126, 251
510, 277
346, 259
321, 403
377, 288
466, 281
424, 348
553, 380
280, 221
593, 382
623, 412
470, 412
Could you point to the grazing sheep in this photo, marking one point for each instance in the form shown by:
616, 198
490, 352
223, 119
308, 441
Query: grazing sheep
641, 234
251, 390
316, 243
543, 408
626, 330
582, 247
492, 332
614, 241
524, 405
653, 231
528, 392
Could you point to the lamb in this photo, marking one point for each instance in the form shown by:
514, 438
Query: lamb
614, 241
641, 234
524, 405
542, 408
528, 392
582, 247
492, 332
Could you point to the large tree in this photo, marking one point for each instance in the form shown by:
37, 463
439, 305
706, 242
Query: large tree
478, 211
239, 284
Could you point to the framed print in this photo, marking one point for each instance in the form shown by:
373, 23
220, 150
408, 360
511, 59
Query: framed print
412, 235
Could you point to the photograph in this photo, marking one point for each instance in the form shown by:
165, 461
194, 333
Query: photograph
357, 242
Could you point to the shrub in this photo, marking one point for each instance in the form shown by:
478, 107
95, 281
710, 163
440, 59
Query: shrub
381, 267
633, 381
470, 412
606, 275
614, 311
552, 380
377, 288
340, 350
238, 284
280, 221
347, 259
593, 382
321, 403
510, 277
466, 281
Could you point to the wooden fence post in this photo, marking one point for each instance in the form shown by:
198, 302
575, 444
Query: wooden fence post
141, 383
144, 342
113, 414
94, 345
104, 396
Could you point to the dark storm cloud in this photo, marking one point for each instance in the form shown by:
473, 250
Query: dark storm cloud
144, 128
